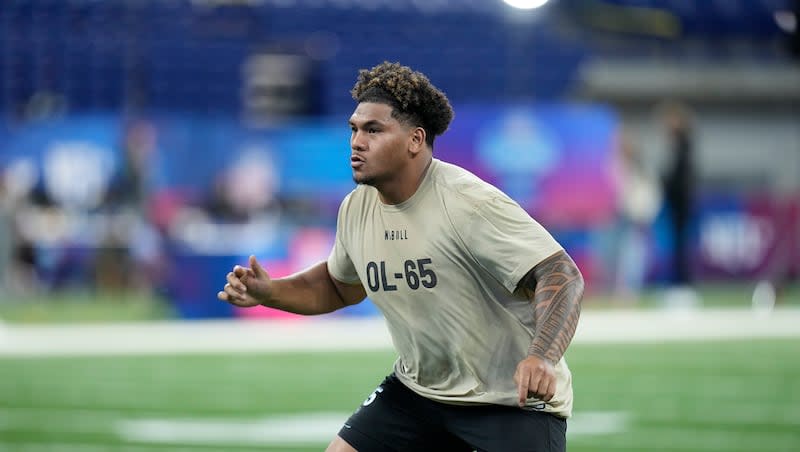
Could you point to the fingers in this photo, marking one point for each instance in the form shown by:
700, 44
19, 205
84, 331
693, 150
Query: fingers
241, 272
535, 378
522, 387
235, 282
549, 391
257, 269
544, 388
234, 290
230, 294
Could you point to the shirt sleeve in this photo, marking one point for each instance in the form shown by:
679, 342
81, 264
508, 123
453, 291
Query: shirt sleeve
340, 266
506, 241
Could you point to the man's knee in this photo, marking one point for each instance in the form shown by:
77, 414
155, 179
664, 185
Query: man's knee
339, 445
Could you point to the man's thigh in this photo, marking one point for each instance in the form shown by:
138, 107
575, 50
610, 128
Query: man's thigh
507, 429
394, 418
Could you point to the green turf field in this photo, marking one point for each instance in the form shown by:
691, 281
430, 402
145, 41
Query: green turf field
98, 307
718, 396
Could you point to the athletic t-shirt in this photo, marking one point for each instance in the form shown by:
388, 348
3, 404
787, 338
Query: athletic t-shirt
443, 267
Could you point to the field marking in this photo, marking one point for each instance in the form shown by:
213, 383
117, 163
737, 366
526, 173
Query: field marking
343, 334
290, 429
306, 429
49, 446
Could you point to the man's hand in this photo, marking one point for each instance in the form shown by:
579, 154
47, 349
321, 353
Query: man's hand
247, 287
535, 376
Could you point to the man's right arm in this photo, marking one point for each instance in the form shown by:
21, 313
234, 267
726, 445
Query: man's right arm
309, 292
313, 291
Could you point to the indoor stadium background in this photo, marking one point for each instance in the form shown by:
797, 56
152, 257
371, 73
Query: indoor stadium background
147, 146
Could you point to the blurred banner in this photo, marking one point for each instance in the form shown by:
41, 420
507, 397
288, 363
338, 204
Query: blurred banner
555, 160
748, 237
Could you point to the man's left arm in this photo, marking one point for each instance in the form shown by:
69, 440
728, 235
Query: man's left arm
555, 287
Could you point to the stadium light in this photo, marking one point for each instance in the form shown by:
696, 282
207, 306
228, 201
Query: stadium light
525, 4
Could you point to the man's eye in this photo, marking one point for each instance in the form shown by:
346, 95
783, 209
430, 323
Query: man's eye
372, 130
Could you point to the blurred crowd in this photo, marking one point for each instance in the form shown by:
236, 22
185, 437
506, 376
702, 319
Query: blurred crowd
78, 219
81, 220
684, 208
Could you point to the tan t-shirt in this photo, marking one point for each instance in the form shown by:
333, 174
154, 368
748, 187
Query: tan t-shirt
442, 268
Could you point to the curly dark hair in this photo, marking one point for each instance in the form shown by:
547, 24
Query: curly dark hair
414, 100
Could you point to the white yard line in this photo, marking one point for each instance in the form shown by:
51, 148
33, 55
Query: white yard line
317, 334
301, 429
45, 445
289, 429
307, 429
637, 326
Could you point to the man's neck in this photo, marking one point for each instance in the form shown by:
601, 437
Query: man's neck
406, 188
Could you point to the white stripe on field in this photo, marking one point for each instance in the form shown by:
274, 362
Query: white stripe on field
321, 334
300, 429
287, 430
307, 429
50, 446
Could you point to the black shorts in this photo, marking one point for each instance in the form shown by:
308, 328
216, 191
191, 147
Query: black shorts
395, 418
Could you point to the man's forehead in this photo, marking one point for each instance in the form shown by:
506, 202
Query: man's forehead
372, 111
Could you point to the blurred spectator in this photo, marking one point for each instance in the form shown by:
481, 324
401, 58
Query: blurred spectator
679, 187
679, 183
131, 183
6, 234
246, 189
18, 275
130, 255
242, 209
639, 201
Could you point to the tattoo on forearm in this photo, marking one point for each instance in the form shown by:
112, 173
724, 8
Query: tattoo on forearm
555, 287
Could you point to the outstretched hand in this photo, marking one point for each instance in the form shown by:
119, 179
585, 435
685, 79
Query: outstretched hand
537, 377
247, 287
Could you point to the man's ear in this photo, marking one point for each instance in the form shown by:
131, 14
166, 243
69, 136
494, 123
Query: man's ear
417, 141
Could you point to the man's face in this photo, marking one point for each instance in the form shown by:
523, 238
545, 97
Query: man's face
378, 144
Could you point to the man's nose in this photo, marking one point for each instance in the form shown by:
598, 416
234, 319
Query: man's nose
357, 142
